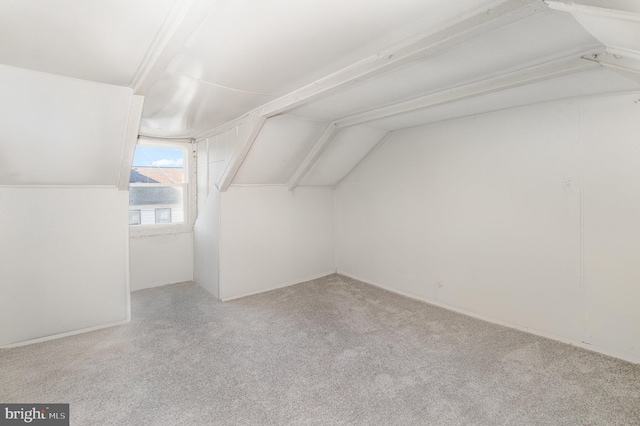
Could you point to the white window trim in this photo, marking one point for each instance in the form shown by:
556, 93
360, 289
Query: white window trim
190, 198
139, 216
155, 211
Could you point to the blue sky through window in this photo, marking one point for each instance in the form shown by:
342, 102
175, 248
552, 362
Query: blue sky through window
155, 156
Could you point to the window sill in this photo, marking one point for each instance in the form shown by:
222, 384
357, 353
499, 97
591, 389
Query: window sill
152, 230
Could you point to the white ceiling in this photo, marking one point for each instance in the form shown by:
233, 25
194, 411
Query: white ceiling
273, 47
344, 153
592, 82
278, 150
532, 40
306, 66
96, 40
248, 52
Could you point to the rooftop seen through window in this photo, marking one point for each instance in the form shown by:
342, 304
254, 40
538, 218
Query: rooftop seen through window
157, 185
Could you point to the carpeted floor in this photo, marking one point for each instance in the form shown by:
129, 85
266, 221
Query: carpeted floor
332, 351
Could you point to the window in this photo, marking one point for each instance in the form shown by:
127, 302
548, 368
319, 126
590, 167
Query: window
163, 215
134, 217
158, 187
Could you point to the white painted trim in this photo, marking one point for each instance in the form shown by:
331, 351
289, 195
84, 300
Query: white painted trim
510, 80
159, 234
222, 128
471, 314
182, 20
155, 140
626, 53
66, 334
256, 185
363, 159
169, 25
450, 33
619, 59
166, 142
577, 7
621, 69
253, 127
570, 97
137, 231
130, 138
192, 185
316, 186
288, 284
152, 185
310, 160
60, 186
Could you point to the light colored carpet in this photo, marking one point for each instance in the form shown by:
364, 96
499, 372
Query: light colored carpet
326, 352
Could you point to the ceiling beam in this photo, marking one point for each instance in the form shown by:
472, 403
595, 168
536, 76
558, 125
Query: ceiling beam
511, 80
602, 8
609, 15
182, 20
449, 34
222, 128
325, 140
622, 61
160, 141
252, 128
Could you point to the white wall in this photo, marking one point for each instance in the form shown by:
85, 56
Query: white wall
526, 217
157, 260
64, 233
271, 237
251, 239
213, 155
63, 261
206, 245
611, 238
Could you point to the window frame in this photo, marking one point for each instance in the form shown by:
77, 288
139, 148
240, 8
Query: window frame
139, 212
188, 194
160, 210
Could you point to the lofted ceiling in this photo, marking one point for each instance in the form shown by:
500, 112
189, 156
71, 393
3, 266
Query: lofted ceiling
315, 86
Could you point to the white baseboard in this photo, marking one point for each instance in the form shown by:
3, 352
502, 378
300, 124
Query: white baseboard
287, 284
569, 341
161, 285
66, 334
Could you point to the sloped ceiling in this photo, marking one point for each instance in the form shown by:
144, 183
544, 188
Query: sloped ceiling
319, 84
95, 40
248, 52
534, 39
342, 155
38, 144
278, 150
